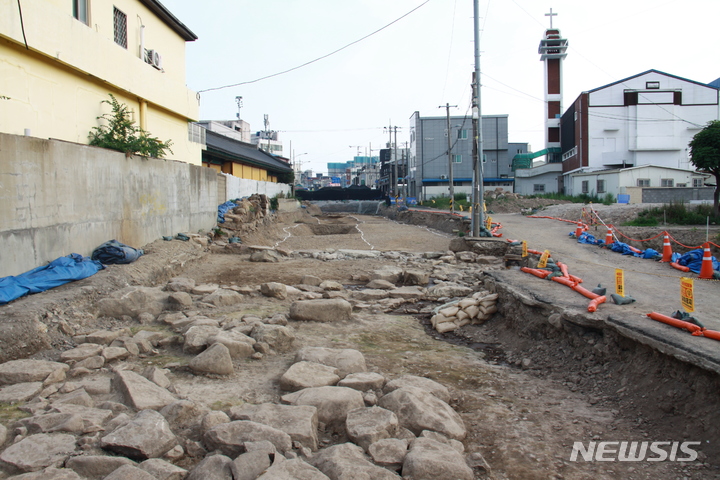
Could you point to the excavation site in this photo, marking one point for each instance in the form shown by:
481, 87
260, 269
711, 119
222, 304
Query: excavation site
362, 341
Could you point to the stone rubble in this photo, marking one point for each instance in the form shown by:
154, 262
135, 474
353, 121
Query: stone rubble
390, 427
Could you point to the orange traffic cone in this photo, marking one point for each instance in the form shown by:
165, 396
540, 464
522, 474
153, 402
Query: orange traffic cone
706, 270
578, 230
667, 249
609, 237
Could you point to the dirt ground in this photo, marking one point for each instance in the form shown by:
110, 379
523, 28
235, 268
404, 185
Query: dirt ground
526, 392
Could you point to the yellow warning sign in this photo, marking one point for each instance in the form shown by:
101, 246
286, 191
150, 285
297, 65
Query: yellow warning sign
620, 282
687, 297
488, 223
524, 249
544, 259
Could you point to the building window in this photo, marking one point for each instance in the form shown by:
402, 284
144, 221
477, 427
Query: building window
698, 182
643, 182
462, 134
585, 186
120, 23
666, 182
196, 133
457, 158
484, 158
652, 85
539, 187
80, 10
601, 186
681, 185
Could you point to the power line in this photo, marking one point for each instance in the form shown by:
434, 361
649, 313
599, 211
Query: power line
319, 58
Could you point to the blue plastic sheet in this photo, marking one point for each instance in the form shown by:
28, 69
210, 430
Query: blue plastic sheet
589, 239
58, 272
693, 260
223, 209
114, 252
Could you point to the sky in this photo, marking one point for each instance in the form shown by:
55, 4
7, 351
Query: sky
342, 105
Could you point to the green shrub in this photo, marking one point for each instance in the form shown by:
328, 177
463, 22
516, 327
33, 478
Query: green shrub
675, 213
123, 135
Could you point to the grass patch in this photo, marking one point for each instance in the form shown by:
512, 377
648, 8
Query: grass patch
444, 202
608, 199
675, 213
225, 404
11, 412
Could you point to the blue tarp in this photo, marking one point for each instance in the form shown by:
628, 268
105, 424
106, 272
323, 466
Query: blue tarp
223, 209
114, 252
590, 239
58, 272
693, 260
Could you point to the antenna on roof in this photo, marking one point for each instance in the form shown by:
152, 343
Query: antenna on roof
239, 102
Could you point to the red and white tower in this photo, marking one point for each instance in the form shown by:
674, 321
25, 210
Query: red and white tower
552, 50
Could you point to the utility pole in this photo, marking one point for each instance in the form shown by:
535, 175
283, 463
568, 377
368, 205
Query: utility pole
450, 162
396, 165
478, 213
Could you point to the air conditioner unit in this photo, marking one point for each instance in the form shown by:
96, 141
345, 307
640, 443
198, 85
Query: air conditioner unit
154, 58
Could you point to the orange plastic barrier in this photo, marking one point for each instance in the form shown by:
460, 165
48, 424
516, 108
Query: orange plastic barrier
682, 268
585, 292
690, 327
536, 271
715, 335
563, 269
575, 279
564, 281
534, 252
594, 303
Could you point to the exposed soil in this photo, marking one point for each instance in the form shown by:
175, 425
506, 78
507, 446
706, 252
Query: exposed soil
525, 389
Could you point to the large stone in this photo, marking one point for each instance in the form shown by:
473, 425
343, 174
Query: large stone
311, 280
230, 438
20, 392
239, 344
321, 310
50, 473
389, 274
274, 290
180, 284
250, 465
132, 301
423, 383
415, 277
279, 338
332, 403
347, 462
36, 452
389, 452
308, 374
409, 292
163, 470
76, 397
129, 472
148, 435
370, 295
105, 337
295, 469
430, 459
184, 415
214, 467
197, 338
223, 298
93, 419
214, 360
363, 381
379, 285
141, 393
24, 371
96, 466
346, 360
448, 290
298, 421
368, 425
86, 350
418, 410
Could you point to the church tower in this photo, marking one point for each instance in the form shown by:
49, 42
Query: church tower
552, 50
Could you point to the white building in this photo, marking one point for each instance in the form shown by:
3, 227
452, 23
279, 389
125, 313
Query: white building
646, 119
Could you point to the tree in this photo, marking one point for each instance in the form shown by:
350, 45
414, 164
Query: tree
123, 135
705, 155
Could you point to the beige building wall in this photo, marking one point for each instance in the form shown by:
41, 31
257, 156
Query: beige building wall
55, 86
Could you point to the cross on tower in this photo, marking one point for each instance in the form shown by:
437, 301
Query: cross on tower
551, 14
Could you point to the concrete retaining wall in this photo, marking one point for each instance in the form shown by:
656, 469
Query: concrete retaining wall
58, 198
363, 207
242, 187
